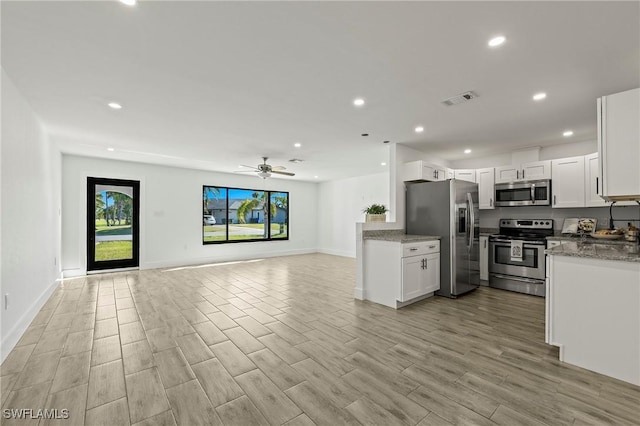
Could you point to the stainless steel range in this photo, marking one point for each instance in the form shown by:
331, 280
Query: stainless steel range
516, 255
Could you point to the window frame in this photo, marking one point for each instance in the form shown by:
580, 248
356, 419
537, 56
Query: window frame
267, 216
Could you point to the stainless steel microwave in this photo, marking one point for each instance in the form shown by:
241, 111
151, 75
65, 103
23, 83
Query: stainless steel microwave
530, 193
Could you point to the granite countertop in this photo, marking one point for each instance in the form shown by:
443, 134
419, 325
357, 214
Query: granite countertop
589, 239
396, 236
629, 252
485, 232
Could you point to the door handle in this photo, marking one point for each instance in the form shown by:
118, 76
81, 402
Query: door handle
554, 200
522, 173
533, 191
472, 219
413, 249
517, 174
424, 263
485, 243
490, 202
597, 186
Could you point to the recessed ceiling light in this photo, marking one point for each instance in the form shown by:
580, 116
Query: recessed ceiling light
383, 164
496, 41
358, 102
110, 149
315, 177
129, 2
568, 133
467, 151
114, 105
539, 96
365, 134
385, 142
297, 144
419, 129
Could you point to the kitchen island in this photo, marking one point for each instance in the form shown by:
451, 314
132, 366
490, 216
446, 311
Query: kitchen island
396, 269
593, 307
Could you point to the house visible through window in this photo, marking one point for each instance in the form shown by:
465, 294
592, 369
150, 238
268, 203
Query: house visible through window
237, 214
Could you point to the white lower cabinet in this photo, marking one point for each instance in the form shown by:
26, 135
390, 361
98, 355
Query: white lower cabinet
420, 275
397, 274
484, 258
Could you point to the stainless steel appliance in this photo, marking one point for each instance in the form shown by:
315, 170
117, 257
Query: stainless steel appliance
449, 209
525, 274
531, 193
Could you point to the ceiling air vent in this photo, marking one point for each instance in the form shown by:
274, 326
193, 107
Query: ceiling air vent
296, 160
458, 99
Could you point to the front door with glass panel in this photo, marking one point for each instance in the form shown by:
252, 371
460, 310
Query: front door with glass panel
112, 223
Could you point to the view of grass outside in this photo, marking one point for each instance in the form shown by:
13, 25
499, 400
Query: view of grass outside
113, 226
113, 250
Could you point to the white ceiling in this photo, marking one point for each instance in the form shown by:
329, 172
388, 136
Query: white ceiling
215, 84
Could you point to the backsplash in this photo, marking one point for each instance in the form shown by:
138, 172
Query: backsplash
621, 215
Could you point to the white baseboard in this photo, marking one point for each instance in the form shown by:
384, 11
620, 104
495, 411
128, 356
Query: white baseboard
337, 252
71, 273
358, 293
217, 259
14, 335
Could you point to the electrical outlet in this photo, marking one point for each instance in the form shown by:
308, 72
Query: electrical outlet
6, 301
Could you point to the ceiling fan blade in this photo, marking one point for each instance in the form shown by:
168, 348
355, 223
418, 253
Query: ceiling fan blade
278, 168
283, 173
245, 171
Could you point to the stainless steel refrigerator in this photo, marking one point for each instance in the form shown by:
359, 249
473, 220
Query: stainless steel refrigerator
449, 209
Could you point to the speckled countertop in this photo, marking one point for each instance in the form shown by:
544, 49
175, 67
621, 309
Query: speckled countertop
621, 252
396, 235
577, 238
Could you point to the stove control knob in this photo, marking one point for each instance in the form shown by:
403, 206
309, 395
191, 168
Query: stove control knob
535, 223
546, 223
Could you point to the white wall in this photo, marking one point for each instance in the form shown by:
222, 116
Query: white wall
30, 222
171, 213
340, 204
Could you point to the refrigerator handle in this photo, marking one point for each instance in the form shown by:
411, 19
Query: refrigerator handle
466, 224
472, 220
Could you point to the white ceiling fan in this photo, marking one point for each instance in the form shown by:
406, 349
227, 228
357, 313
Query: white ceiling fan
265, 170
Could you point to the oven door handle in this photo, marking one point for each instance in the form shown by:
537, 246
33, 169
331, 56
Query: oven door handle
525, 280
526, 243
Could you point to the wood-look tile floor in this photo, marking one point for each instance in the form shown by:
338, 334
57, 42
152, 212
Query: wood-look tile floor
282, 341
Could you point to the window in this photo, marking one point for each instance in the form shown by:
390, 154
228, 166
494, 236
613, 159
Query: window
237, 214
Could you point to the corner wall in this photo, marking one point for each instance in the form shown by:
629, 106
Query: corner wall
171, 213
30, 215
340, 205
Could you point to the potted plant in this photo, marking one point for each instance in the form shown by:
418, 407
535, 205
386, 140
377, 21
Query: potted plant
376, 213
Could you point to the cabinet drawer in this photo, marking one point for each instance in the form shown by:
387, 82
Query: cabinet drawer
418, 249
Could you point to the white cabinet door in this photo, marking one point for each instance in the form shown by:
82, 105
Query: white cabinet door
468, 175
484, 258
592, 182
431, 273
506, 174
486, 188
619, 144
429, 172
536, 170
441, 173
450, 174
413, 278
568, 182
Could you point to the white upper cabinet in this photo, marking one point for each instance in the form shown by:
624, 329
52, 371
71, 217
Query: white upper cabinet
536, 170
592, 182
486, 188
527, 171
619, 145
422, 171
568, 184
468, 175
